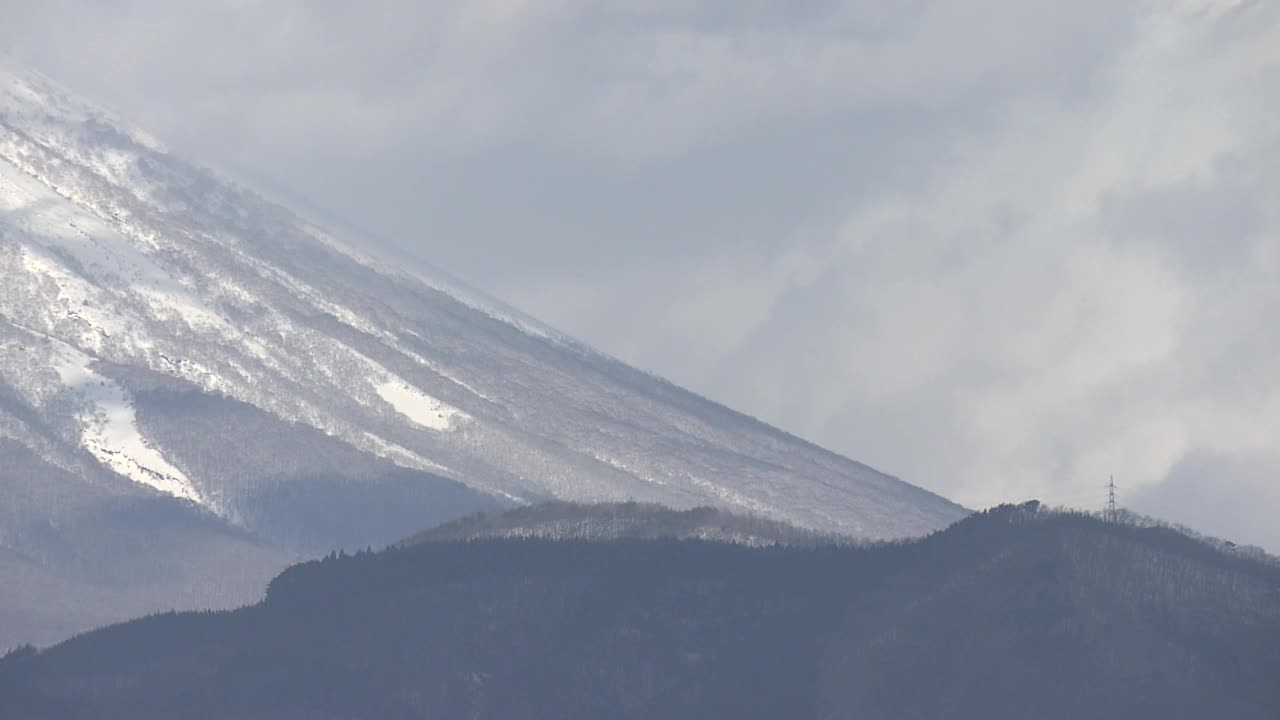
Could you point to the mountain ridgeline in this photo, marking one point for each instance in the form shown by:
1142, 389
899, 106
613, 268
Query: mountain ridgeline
1011, 613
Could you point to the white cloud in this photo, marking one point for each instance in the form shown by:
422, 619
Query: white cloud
1040, 346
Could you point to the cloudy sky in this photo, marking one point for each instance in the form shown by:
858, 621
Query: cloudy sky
1000, 249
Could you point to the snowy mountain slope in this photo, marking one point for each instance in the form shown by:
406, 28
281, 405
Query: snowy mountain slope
170, 337
113, 251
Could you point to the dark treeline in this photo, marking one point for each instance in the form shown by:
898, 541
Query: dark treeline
1012, 613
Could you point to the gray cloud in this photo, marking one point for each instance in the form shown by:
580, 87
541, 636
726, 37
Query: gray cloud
1000, 251
1229, 495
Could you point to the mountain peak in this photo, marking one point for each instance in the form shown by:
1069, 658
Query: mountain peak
36, 101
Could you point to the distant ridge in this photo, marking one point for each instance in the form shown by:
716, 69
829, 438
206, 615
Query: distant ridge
1010, 614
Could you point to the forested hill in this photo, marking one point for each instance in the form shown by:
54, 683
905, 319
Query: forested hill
1008, 614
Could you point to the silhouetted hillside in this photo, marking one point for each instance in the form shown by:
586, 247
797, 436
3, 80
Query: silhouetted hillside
1011, 613
617, 521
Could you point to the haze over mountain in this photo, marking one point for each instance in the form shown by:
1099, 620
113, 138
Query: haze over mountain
1013, 613
622, 521
198, 384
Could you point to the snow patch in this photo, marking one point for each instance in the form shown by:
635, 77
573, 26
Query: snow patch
76, 299
619, 465
419, 407
400, 455
110, 429
406, 458
59, 225
730, 496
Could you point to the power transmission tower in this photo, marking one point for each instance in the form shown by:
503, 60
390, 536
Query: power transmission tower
1112, 516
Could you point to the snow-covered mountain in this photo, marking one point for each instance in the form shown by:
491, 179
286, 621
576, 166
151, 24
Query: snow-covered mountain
169, 337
